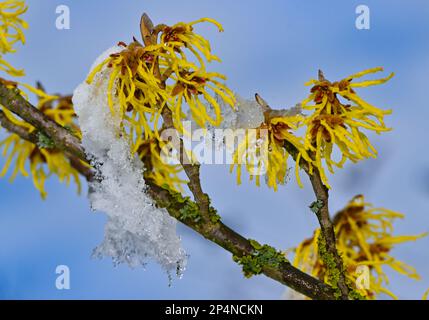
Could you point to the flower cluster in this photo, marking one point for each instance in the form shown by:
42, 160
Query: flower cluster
43, 159
136, 88
189, 83
332, 124
11, 31
149, 80
364, 238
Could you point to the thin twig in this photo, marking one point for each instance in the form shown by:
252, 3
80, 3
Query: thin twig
192, 171
323, 216
62, 137
18, 130
327, 228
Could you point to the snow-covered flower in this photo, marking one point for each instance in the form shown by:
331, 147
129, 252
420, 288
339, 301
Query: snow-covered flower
133, 84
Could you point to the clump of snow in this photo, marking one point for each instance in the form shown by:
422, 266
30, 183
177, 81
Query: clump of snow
296, 110
250, 114
137, 231
246, 114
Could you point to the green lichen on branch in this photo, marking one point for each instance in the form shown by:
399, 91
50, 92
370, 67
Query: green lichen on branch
214, 217
355, 295
72, 130
44, 141
330, 264
189, 210
333, 271
316, 206
262, 256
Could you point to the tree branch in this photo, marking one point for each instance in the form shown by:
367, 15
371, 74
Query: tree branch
323, 216
192, 171
327, 229
216, 232
18, 130
321, 206
62, 137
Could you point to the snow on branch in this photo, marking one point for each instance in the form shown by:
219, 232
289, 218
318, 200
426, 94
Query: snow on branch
137, 231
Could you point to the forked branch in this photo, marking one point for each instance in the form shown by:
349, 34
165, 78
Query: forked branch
214, 231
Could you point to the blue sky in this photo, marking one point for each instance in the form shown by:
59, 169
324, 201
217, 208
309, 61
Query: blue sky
270, 47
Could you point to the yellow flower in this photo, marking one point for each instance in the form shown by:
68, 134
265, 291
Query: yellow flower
43, 159
182, 36
335, 123
156, 167
190, 87
191, 82
425, 295
263, 151
146, 79
134, 84
11, 26
364, 238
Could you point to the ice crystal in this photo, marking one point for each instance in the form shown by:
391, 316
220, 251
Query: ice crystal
137, 231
